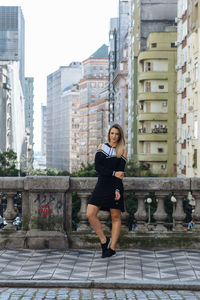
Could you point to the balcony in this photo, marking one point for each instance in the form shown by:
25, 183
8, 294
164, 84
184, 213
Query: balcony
152, 96
148, 157
46, 209
153, 117
152, 137
153, 76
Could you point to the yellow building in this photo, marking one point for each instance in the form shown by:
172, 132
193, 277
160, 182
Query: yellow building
156, 104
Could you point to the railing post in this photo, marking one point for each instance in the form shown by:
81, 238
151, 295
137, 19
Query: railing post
141, 214
10, 213
82, 213
125, 216
196, 213
179, 214
160, 215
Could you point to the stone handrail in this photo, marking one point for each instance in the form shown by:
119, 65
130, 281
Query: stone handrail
47, 211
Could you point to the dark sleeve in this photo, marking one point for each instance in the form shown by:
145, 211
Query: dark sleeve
101, 165
121, 167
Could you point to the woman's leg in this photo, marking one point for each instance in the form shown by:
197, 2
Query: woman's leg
116, 226
92, 212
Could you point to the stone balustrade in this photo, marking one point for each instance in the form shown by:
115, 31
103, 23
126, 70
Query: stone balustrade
47, 213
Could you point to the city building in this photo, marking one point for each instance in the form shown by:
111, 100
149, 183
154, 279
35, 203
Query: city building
43, 133
12, 37
93, 104
29, 106
56, 83
156, 107
70, 121
146, 17
118, 66
12, 119
188, 91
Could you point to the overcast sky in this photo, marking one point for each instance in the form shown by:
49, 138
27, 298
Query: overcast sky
58, 32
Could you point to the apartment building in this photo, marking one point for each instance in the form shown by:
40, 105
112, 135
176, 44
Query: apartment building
144, 17
157, 103
188, 92
93, 109
58, 113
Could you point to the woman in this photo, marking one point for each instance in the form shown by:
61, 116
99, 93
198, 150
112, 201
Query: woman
110, 160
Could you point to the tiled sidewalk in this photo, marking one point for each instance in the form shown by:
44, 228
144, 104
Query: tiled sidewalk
85, 265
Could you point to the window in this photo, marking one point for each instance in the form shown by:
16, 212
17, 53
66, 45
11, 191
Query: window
173, 45
153, 45
148, 66
148, 86
160, 150
161, 87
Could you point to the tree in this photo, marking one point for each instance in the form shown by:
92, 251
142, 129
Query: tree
8, 161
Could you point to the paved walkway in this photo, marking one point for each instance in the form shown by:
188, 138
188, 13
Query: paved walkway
96, 294
164, 269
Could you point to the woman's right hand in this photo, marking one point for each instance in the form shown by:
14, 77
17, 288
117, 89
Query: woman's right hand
119, 174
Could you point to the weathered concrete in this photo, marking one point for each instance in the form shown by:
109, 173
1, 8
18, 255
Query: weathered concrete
47, 213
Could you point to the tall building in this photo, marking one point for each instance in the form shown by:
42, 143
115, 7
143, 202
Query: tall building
118, 67
146, 17
44, 130
156, 113
12, 37
94, 81
29, 101
56, 83
12, 119
188, 91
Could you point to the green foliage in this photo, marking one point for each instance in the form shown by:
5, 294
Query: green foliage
85, 171
138, 170
8, 162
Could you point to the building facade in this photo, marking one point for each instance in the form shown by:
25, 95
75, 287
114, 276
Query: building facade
156, 109
146, 17
12, 37
29, 108
43, 130
56, 83
12, 116
94, 81
188, 92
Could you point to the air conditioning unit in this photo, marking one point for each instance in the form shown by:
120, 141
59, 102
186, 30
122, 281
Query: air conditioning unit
163, 166
164, 103
177, 19
177, 43
177, 67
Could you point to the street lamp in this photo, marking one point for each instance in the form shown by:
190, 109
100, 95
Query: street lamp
149, 201
173, 200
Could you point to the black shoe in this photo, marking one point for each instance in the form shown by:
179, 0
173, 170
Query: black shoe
105, 246
108, 253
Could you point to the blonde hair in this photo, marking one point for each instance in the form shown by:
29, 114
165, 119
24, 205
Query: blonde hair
120, 148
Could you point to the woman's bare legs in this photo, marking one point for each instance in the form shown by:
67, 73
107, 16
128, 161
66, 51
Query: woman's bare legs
116, 226
91, 213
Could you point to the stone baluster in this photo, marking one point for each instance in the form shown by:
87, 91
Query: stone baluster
160, 215
125, 216
196, 213
179, 214
141, 214
10, 213
82, 213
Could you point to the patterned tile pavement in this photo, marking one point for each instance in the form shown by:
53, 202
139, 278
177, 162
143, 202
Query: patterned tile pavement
160, 265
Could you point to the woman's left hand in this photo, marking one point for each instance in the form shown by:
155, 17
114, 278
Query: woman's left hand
117, 195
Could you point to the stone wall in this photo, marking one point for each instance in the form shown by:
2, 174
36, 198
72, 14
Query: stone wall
47, 213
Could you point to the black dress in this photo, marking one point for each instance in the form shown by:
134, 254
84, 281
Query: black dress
106, 164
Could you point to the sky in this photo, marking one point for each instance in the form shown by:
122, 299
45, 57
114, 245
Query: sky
58, 32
